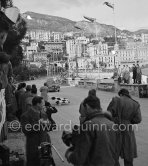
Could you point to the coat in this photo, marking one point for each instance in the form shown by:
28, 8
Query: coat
95, 146
33, 137
44, 92
134, 72
23, 98
139, 74
125, 111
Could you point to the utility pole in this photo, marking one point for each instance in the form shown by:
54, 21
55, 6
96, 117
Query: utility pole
76, 57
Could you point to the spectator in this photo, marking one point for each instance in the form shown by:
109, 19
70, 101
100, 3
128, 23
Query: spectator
11, 103
119, 74
28, 101
125, 111
34, 87
94, 145
35, 135
126, 74
139, 74
44, 92
20, 91
134, 70
24, 97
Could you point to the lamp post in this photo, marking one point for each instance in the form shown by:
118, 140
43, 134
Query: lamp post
93, 20
76, 51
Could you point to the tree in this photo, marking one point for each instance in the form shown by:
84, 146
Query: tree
5, 3
15, 35
11, 46
16, 56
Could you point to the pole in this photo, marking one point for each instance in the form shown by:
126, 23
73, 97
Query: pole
95, 22
115, 22
57, 153
76, 57
47, 67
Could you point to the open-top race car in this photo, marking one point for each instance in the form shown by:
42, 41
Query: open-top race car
52, 85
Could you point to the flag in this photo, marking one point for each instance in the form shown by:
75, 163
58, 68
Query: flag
109, 5
77, 27
90, 19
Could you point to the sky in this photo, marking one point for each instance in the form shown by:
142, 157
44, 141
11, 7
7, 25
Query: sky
129, 14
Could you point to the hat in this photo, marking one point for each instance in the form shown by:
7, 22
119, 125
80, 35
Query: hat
92, 92
123, 92
28, 87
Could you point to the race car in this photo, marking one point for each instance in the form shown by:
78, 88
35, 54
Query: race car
52, 86
60, 101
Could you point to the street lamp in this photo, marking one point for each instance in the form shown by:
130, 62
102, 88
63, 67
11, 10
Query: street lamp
76, 51
93, 20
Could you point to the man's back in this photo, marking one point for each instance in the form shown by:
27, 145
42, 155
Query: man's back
130, 108
96, 144
125, 112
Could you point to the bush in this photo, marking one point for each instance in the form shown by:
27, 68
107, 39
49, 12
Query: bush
21, 73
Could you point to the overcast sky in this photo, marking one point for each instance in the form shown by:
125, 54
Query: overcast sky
129, 14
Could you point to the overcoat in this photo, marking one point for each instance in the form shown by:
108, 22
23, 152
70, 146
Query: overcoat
34, 134
126, 113
95, 145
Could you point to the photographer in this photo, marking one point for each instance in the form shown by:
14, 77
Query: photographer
32, 122
49, 111
95, 145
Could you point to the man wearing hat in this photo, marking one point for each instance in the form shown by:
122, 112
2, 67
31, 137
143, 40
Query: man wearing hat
126, 113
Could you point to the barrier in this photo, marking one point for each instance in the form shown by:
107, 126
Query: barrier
138, 90
106, 85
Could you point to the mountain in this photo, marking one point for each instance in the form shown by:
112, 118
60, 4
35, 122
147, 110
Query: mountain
140, 31
47, 22
36, 21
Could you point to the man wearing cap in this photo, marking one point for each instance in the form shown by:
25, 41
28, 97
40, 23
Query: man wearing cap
95, 144
126, 113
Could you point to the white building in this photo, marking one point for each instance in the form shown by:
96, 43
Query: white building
134, 51
39, 35
144, 38
73, 48
57, 36
33, 48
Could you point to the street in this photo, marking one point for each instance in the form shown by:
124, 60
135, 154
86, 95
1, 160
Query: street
69, 114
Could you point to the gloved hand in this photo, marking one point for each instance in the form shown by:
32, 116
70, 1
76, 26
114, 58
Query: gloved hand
68, 153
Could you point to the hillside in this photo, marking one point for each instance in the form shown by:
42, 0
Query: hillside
47, 22
58, 24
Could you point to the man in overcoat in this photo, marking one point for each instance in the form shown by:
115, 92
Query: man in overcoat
126, 113
134, 69
34, 131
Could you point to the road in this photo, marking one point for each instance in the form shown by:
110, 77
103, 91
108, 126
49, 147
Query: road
69, 114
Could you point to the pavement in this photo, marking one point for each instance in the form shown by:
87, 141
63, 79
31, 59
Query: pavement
69, 115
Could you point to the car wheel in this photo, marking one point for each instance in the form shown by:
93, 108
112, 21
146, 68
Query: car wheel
57, 102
